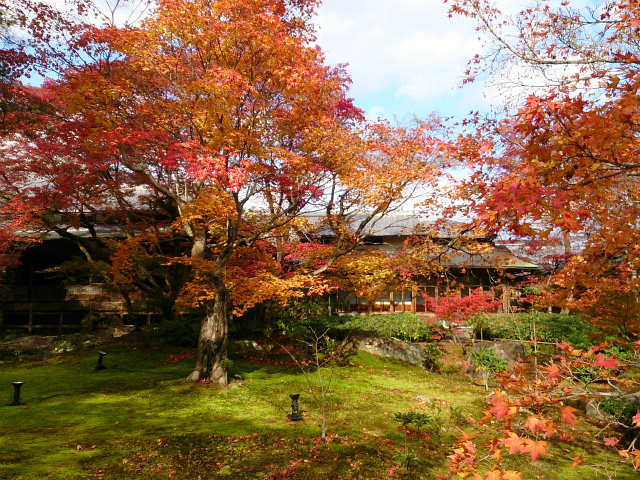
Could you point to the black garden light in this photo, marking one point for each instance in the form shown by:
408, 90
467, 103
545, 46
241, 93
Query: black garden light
295, 416
16, 394
100, 366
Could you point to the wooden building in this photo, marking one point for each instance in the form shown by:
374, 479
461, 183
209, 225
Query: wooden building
36, 301
491, 267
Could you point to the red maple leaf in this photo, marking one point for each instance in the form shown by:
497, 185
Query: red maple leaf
636, 419
605, 362
502, 409
610, 441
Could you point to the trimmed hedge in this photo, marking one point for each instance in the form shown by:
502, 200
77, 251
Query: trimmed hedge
403, 326
549, 327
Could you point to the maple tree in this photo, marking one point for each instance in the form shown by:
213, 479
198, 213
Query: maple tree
531, 413
612, 307
454, 311
370, 274
564, 159
213, 126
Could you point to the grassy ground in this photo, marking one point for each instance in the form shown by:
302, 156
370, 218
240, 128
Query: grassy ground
138, 418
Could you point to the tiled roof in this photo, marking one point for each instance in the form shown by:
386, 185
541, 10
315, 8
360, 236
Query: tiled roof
500, 256
407, 223
394, 224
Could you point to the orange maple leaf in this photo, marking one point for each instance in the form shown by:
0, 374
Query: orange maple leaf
494, 475
513, 442
511, 475
532, 422
534, 448
568, 416
500, 409
577, 460
553, 370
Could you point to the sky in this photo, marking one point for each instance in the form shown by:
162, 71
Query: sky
405, 57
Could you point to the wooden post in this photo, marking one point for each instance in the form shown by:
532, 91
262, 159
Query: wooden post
60, 326
505, 299
392, 304
30, 326
414, 306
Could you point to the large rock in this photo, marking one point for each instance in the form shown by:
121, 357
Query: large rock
595, 411
371, 342
508, 351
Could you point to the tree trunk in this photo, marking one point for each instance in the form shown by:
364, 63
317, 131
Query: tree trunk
213, 340
214, 327
567, 251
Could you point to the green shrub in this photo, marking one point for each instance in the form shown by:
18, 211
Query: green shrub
100, 321
622, 411
619, 352
226, 364
403, 326
433, 353
302, 317
181, 332
417, 419
487, 361
548, 327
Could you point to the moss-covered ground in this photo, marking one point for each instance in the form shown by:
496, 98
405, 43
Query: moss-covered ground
139, 418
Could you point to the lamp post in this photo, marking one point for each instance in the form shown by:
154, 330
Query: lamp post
16, 394
100, 366
295, 416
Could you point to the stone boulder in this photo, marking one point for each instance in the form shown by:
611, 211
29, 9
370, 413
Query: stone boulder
594, 410
508, 351
246, 347
371, 342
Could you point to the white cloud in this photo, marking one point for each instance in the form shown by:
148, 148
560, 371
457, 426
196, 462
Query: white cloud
406, 50
408, 56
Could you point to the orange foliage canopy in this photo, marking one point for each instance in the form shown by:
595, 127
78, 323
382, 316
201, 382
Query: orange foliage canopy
222, 123
527, 414
566, 160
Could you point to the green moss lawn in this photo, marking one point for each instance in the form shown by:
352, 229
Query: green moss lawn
140, 419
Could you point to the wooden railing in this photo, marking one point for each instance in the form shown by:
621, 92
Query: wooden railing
57, 308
